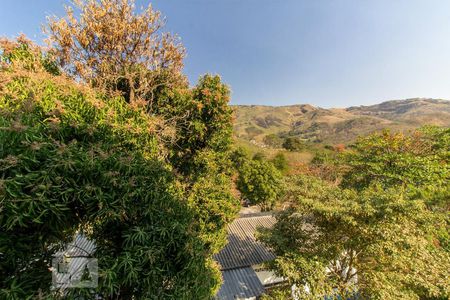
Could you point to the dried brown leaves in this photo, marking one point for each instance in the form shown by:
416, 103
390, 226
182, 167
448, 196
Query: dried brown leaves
117, 50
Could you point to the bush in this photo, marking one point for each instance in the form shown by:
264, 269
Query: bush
260, 156
293, 144
239, 156
280, 162
273, 140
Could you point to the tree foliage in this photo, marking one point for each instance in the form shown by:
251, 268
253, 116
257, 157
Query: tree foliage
382, 234
115, 49
293, 144
260, 182
118, 50
280, 162
376, 244
273, 140
261, 156
74, 160
328, 166
111, 47
204, 123
396, 159
239, 156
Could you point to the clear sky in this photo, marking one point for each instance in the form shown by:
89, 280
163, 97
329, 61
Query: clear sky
330, 53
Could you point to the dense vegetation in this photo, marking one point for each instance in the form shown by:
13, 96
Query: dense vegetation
260, 182
144, 172
382, 233
102, 135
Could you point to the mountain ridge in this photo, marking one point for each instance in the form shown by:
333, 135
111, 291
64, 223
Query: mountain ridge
337, 125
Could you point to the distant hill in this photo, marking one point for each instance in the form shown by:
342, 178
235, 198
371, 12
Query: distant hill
337, 125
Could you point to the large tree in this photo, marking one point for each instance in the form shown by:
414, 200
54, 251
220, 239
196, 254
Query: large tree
260, 182
154, 195
111, 46
387, 222
118, 49
411, 160
374, 244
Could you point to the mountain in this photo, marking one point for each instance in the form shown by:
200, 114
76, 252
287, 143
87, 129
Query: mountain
337, 125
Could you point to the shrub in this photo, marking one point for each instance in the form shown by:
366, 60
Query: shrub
280, 162
273, 140
293, 144
261, 156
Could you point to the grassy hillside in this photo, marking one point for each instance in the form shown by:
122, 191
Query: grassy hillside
317, 125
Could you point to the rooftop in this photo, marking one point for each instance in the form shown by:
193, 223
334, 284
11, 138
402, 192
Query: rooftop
241, 282
243, 250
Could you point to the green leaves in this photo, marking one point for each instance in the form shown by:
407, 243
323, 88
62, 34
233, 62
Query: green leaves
388, 221
395, 159
74, 161
260, 182
389, 239
293, 144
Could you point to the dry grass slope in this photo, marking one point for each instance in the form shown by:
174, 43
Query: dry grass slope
337, 125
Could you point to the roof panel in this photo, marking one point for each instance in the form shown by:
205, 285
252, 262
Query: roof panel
239, 283
242, 249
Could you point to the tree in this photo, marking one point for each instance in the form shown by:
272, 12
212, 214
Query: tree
111, 47
201, 153
328, 165
74, 160
373, 244
387, 222
204, 122
280, 162
418, 164
273, 140
396, 159
116, 50
260, 182
261, 156
239, 156
293, 144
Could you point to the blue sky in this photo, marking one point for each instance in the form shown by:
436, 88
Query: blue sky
329, 53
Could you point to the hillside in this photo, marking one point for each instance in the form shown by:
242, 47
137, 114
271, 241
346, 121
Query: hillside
336, 125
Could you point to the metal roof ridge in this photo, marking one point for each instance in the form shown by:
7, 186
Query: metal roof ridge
256, 215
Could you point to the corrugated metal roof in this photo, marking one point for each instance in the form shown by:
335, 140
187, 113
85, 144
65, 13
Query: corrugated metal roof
80, 246
242, 249
239, 283
68, 265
